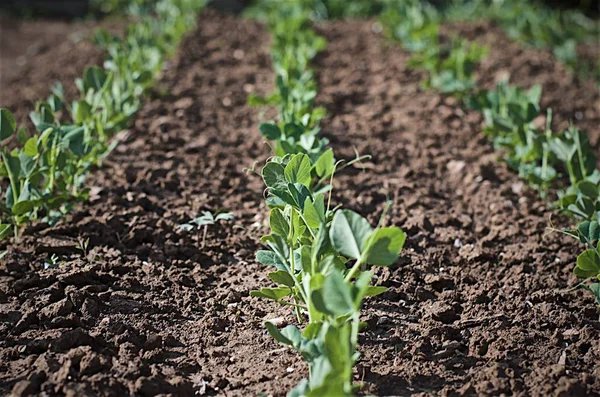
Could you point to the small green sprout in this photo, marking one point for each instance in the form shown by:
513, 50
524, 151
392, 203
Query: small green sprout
53, 262
204, 221
83, 245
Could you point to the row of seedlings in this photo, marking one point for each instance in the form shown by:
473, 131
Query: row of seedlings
45, 171
540, 156
561, 31
539, 26
319, 253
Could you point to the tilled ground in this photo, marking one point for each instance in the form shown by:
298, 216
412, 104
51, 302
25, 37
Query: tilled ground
36, 54
479, 302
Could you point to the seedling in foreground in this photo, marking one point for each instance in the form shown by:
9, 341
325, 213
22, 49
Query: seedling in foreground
205, 220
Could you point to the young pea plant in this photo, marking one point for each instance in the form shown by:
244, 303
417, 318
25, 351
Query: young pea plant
53, 262
509, 112
574, 150
588, 262
204, 221
319, 258
450, 67
537, 25
293, 48
34, 170
414, 23
318, 254
305, 233
583, 202
45, 172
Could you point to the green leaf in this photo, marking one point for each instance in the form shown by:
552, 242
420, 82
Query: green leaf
225, 216
186, 227
589, 231
314, 213
320, 244
279, 223
81, 111
282, 277
568, 199
325, 164
298, 170
5, 230
22, 135
349, 233
318, 302
293, 334
563, 150
311, 331
360, 287
298, 225
335, 298
31, 147
588, 264
275, 294
305, 260
14, 166
8, 125
27, 164
9, 197
384, 246
338, 351
535, 94
23, 207
94, 78
299, 194
320, 384
25, 193
268, 258
274, 176
277, 334
375, 290
593, 288
293, 131
584, 207
588, 189
270, 131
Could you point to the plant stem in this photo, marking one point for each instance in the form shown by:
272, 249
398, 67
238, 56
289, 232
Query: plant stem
353, 343
572, 176
293, 266
309, 228
11, 177
353, 270
296, 305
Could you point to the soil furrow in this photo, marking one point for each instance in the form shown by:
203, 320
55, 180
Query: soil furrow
479, 302
37, 54
148, 310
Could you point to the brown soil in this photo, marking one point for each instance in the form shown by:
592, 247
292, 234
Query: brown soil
479, 302
36, 54
571, 98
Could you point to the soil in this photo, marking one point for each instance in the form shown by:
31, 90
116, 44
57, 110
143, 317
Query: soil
480, 301
36, 54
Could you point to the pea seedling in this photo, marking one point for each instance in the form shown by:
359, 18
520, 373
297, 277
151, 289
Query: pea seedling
204, 221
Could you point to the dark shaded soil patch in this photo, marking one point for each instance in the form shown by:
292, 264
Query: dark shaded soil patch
36, 54
478, 302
